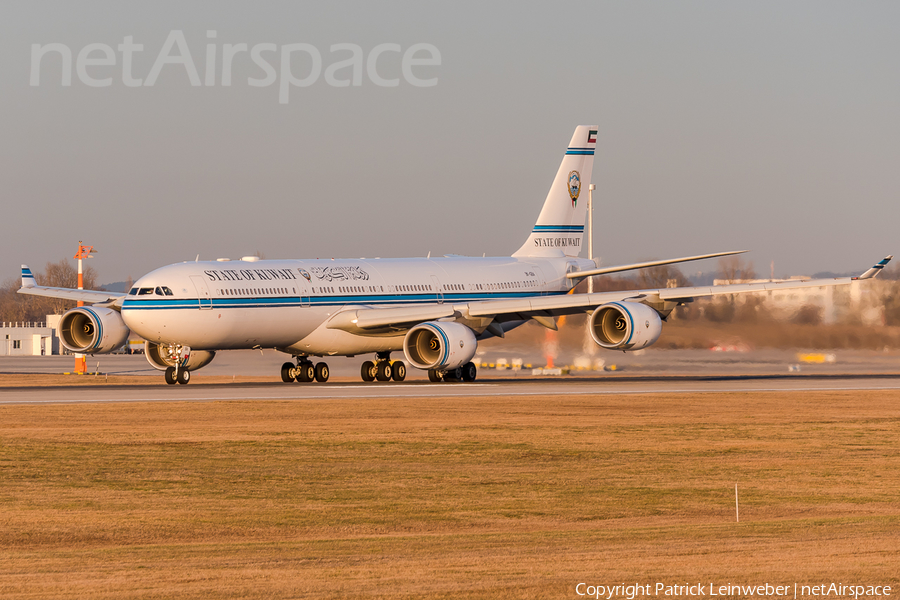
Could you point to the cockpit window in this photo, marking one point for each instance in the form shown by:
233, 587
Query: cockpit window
167, 291
133, 292
145, 291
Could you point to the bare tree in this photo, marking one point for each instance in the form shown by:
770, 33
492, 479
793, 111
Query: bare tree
734, 269
662, 277
12, 304
15, 307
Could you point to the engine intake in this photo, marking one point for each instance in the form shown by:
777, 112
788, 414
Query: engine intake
625, 326
161, 357
92, 330
437, 345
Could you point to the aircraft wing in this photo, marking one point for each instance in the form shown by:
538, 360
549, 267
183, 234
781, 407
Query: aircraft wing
544, 308
30, 287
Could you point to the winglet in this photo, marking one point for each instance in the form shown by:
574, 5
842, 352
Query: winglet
27, 278
876, 269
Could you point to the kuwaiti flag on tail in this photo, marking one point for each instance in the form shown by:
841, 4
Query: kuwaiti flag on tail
560, 224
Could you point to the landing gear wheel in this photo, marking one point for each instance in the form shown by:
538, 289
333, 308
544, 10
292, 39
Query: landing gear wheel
322, 372
454, 374
383, 371
170, 376
184, 376
434, 376
368, 371
469, 372
399, 373
286, 375
307, 372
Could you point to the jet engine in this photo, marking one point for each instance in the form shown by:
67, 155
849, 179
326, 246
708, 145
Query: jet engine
162, 356
437, 345
625, 326
92, 330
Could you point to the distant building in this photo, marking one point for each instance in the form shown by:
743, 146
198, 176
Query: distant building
30, 339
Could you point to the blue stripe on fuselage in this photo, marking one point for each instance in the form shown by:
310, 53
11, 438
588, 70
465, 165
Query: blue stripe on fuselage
295, 301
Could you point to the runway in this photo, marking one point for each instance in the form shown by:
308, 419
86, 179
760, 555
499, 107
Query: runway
581, 386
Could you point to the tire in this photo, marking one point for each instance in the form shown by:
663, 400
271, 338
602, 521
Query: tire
434, 376
384, 370
307, 372
184, 376
453, 374
367, 372
286, 369
469, 372
322, 372
170, 376
399, 369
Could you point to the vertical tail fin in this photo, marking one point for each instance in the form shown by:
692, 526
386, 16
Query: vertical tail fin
560, 226
27, 278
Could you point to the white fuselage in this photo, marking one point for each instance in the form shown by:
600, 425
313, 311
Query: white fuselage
286, 304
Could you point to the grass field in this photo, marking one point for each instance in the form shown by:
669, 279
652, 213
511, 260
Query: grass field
447, 498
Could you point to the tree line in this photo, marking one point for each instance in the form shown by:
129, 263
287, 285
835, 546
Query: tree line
15, 307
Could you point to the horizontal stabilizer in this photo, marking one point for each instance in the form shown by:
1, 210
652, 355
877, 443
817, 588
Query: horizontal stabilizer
644, 265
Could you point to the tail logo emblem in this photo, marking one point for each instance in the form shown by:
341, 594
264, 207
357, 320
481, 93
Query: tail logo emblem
574, 185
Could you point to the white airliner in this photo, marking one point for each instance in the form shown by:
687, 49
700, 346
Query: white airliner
433, 309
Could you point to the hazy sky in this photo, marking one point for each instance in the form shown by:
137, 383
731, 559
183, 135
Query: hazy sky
768, 126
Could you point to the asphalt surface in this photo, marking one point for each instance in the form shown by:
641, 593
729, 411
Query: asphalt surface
584, 386
693, 372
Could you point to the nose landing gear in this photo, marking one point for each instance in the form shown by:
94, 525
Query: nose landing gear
179, 355
173, 376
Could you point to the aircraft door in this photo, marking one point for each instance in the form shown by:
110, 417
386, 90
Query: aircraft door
542, 282
571, 267
303, 292
437, 287
203, 297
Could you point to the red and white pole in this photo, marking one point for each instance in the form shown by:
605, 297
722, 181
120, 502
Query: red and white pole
83, 252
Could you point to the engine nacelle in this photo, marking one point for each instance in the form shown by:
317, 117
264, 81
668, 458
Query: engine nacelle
437, 345
625, 326
92, 330
161, 357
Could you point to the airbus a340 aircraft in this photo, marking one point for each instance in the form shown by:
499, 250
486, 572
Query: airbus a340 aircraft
433, 309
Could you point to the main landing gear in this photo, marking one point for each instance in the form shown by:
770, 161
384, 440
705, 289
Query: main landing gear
467, 372
304, 371
383, 369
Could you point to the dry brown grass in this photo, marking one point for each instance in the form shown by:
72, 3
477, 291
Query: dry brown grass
465, 498
62, 380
